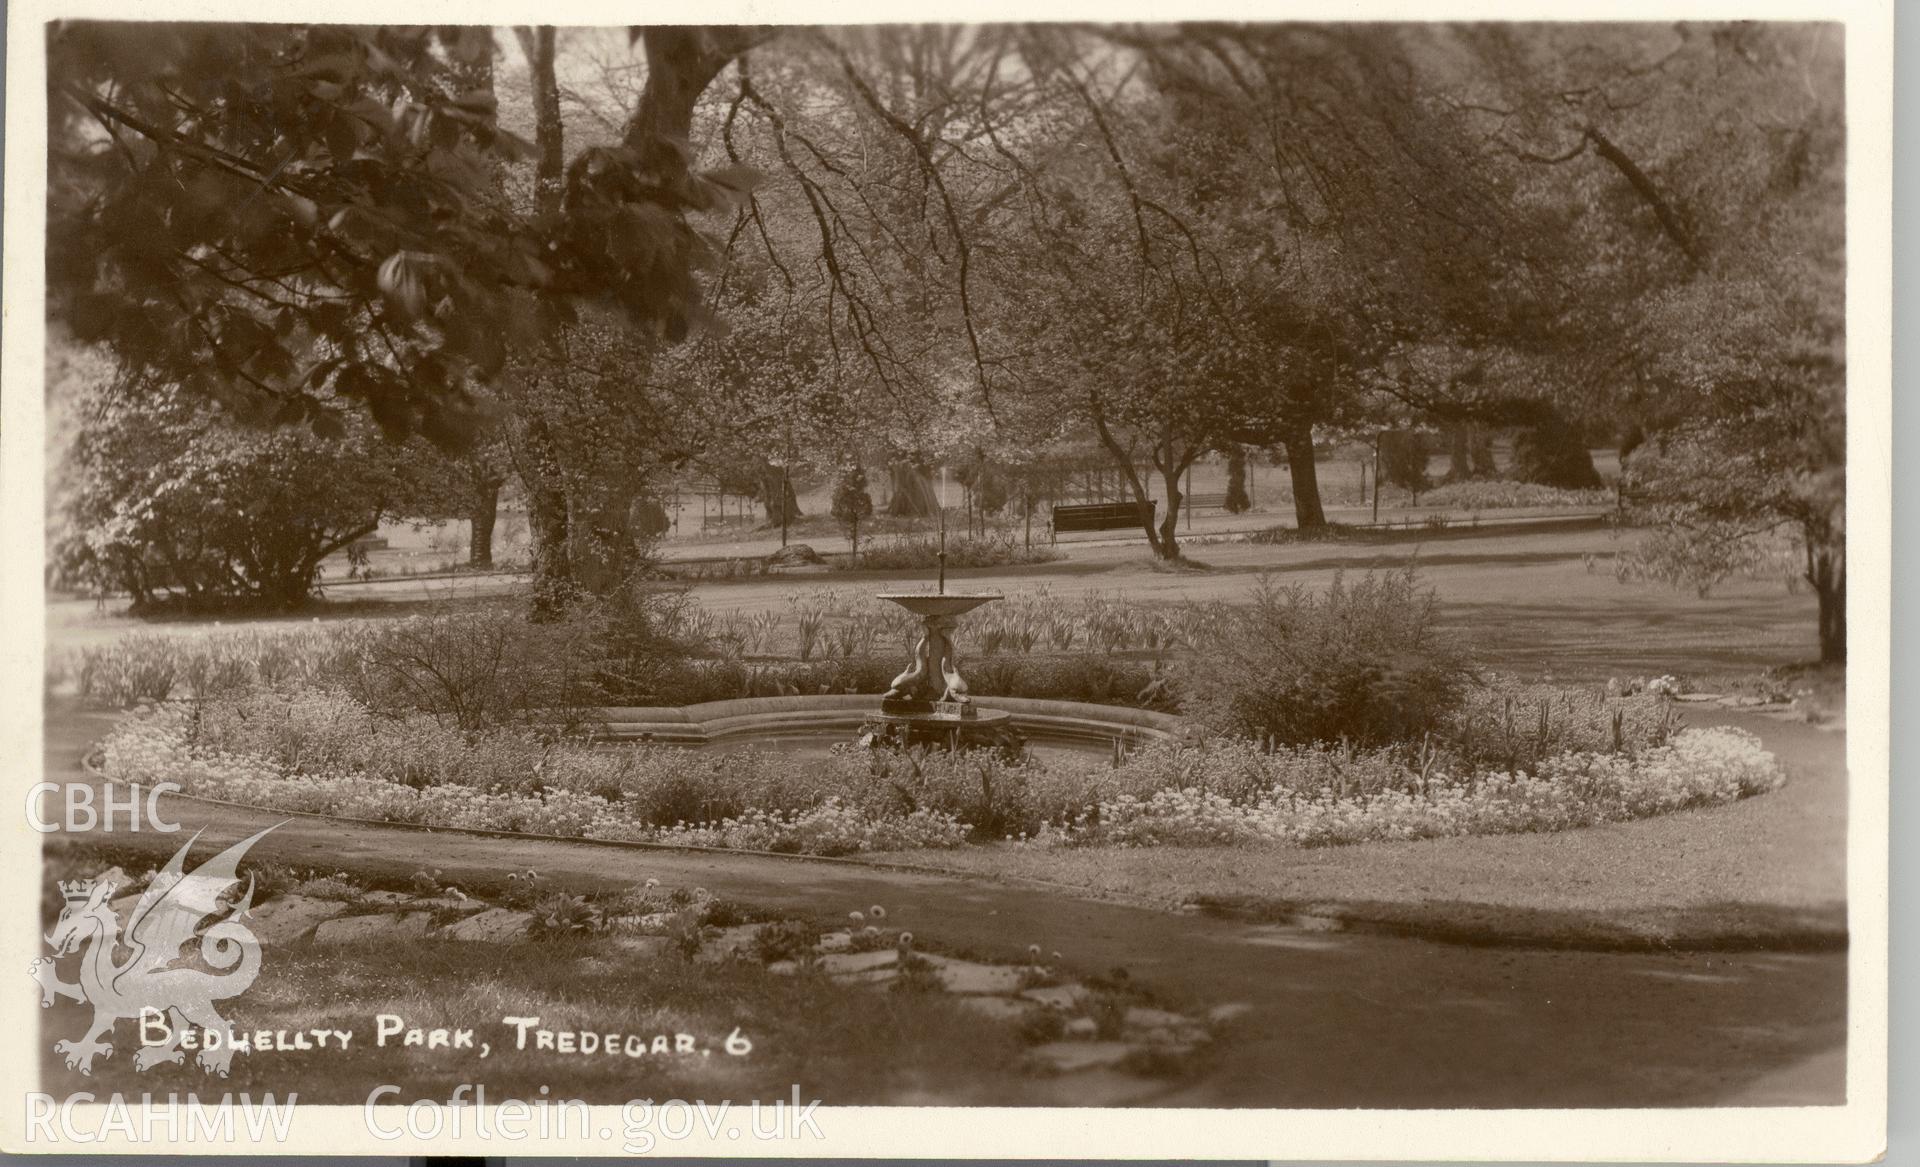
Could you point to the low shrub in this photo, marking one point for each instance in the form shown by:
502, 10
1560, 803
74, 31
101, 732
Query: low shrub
1360, 662
1513, 726
477, 669
1490, 494
130, 670
922, 552
558, 916
1324, 533
789, 939
330, 887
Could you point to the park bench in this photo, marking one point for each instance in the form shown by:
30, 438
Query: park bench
1103, 516
1205, 502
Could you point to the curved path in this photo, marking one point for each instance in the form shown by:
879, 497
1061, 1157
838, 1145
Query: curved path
1335, 1019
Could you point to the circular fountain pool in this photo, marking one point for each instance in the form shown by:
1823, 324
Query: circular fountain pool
1040, 745
812, 726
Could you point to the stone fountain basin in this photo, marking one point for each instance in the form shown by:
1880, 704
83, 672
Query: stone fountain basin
838, 716
939, 603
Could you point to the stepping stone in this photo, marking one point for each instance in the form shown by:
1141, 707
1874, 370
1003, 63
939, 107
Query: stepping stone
1140, 1018
645, 947
1058, 996
1173, 1038
968, 977
492, 926
999, 1008
835, 942
288, 918
451, 904
1083, 1027
1232, 1011
355, 929
731, 942
1067, 1057
846, 963
385, 898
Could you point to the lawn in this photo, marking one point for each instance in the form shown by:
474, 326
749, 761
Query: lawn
1533, 603
1765, 871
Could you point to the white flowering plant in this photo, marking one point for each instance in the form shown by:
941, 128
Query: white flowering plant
320, 751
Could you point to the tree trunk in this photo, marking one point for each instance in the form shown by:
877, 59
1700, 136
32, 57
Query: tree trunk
913, 496
1307, 511
486, 510
538, 46
539, 463
1483, 464
1164, 548
776, 491
1237, 500
1469, 453
600, 534
553, 586
1168, 547
1828, 575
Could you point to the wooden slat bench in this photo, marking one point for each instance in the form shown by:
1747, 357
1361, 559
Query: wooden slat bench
1103, 516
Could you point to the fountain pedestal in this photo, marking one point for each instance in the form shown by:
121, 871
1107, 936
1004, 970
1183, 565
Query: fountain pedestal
929, 702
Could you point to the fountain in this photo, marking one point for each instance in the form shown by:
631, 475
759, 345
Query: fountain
929, 702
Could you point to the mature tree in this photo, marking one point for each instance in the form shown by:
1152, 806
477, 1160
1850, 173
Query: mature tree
279, 217
168, 498
1714, 156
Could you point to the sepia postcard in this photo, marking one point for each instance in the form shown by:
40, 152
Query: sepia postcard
996, 581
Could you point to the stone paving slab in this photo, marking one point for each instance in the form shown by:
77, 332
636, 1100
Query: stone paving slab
999, 1008
405, 926
492, 926
1068, 1057
450, 904
968, 977
1058, 996
287, 918
840, 963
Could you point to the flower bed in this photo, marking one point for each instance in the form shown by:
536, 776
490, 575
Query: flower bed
321, 752
1701, 767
